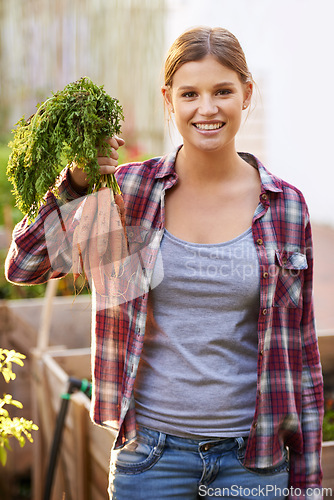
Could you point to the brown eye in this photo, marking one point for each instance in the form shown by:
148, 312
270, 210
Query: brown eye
189, 94
224, 92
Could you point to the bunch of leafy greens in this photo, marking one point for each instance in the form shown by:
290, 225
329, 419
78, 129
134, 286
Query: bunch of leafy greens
70, 126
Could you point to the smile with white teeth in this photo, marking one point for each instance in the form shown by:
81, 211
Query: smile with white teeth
208, 126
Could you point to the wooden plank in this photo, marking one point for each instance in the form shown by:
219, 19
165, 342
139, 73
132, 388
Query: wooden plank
96, 493
15, 331
328, 464
98, 481
100, 442
73, 362
37, 473
45, 419
326, 347
81, 448
70, 321
46, 317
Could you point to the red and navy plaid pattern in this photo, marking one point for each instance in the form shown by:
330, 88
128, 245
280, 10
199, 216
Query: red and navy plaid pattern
289, 404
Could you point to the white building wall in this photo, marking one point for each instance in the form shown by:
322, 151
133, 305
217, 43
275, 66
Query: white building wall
289, 47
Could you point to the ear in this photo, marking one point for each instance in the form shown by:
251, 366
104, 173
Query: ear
248, 92
167, 95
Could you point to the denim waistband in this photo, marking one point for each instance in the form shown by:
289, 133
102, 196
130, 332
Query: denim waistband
152, 437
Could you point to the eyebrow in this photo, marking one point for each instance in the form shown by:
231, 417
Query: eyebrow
217, 85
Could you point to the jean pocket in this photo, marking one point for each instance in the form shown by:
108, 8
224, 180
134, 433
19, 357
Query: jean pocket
290, 267
282, 466
139, 455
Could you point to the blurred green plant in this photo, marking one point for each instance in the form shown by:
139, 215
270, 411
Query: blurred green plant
328, 426
6, 196
18, 428
328, 422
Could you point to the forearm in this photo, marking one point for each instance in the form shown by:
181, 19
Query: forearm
28, 259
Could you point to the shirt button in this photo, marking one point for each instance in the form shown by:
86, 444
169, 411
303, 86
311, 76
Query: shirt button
255, 425
259, 241
261, 352
264, 196
265, 274
264, 311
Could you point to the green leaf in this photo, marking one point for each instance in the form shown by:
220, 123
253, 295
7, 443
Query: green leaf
71, 125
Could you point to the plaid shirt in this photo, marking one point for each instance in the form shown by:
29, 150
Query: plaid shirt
289, 402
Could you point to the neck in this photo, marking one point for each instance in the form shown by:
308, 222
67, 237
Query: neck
208, 167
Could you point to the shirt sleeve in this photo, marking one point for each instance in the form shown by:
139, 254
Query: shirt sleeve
28, 260
305, 468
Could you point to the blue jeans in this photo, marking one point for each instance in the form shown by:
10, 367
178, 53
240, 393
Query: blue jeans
158, 466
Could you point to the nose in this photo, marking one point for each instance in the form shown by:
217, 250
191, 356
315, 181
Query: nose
207, 106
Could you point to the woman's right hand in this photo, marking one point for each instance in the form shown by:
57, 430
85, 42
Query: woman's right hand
107, 164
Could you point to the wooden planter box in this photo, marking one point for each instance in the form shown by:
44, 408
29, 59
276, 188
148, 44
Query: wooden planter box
328, 464
70, 322
19, 324
83, 461
326, 347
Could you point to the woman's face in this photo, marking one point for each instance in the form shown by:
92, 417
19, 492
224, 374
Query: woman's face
207, 99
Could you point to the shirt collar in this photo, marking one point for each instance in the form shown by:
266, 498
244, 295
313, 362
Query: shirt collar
166, 164
269, 182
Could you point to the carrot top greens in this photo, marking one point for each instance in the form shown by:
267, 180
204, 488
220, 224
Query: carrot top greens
69, 126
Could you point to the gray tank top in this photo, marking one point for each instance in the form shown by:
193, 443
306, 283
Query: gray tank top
198, 370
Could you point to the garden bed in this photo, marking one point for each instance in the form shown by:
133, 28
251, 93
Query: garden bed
19, 324
83, 463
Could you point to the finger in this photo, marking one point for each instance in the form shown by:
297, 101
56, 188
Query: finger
107, 164
108, 161
115, 142
120, 141
107, 169
113, 154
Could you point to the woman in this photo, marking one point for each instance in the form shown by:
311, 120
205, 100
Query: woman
222, 396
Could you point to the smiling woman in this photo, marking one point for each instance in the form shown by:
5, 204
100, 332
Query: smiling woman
207, 99
211, 374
